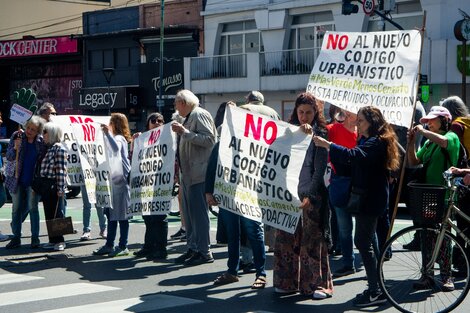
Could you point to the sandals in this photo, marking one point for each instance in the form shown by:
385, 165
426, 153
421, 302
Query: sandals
260, 283
225, 278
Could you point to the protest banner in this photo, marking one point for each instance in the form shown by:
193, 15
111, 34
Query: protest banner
19, 114
258, 168
380, 69
90, 144
74, 168
153, 172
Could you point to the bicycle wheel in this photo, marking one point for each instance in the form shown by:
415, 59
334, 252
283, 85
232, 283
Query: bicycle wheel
399, 275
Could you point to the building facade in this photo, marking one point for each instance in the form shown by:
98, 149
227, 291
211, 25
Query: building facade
271, 46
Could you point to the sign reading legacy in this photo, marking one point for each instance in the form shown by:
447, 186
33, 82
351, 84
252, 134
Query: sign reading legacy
103, 99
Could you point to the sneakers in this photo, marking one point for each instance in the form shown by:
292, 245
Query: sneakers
142, 253
104, 234
198, 258
448, 284
35, 243
14, 243
118, 251
179, 234
48, 245
86, 236
60, 246
425, 282
4, 237
104, 250
157, 255
182, 258
368, 298
413, 245
344, 271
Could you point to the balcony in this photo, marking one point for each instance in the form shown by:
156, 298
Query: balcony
277, 70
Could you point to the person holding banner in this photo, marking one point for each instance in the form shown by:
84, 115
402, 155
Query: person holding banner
118, 135
156, 226
301, 259
375, 155
24, 150
196, 137
54, 167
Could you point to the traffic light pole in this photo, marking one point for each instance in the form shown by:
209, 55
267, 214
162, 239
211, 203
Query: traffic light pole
384, 17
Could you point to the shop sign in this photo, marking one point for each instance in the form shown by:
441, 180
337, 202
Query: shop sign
104, 98
35, 47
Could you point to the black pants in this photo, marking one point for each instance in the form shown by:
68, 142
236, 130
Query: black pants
52, 210
156, 232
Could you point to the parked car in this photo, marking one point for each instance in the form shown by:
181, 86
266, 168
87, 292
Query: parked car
72, 191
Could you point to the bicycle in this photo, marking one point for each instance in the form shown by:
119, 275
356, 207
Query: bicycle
413, 285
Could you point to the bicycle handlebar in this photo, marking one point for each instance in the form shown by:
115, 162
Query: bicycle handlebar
454, 180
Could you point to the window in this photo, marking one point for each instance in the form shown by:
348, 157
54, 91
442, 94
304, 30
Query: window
240, 37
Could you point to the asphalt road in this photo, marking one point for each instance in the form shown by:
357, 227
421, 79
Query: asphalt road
75, 281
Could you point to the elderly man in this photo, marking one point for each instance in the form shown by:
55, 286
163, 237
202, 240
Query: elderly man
196, 137
46, 110
255, 103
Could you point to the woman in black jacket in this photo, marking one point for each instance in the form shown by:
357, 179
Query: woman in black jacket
371, 162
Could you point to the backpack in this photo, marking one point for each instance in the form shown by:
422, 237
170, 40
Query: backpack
465, 142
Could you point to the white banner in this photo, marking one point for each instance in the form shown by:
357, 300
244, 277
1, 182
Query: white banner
153, 172
74, 168
258, 168
380, 69
20, 114
94, 162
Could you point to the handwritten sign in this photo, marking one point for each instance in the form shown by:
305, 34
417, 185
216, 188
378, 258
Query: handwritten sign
380, 69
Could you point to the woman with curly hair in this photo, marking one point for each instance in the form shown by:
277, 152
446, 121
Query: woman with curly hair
118, 135
371, 161
301, 259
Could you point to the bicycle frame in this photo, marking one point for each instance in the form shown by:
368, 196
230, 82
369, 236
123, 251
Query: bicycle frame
447, 223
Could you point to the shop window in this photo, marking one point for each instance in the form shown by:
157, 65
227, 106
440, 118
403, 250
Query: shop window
108, 58
95, 60
122, 57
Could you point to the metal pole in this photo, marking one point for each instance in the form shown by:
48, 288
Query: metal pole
162, 29
464, 71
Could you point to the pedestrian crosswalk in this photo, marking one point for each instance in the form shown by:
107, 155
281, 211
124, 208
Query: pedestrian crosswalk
9, 300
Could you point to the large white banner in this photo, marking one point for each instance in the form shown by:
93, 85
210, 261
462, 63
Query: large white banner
74, 168
153, 172
94, 161
377, 68
258, 168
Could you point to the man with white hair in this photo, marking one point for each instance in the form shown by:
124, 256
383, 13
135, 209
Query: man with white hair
196, 137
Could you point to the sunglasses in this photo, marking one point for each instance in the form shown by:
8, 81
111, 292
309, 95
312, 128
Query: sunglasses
53, 113
155, 121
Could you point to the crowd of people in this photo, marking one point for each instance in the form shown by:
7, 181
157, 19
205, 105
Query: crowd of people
364, 151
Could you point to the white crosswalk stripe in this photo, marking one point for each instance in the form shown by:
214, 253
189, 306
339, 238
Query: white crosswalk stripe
16, 278
54, 292
136, 305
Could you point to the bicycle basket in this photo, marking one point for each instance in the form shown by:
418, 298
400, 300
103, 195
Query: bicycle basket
427, 203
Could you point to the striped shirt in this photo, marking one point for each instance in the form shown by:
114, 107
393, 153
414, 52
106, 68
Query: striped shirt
54, 166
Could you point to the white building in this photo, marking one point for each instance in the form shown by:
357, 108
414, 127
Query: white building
271, 46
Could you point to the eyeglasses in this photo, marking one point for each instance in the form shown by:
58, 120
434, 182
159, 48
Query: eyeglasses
53, 113
155, 121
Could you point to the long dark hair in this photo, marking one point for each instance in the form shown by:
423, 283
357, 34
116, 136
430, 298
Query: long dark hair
380, 128
318, 119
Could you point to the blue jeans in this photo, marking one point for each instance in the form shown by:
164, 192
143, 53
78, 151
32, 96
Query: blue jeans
345, 230
255, 234
24, 201
87, 213
112, 231
3, 195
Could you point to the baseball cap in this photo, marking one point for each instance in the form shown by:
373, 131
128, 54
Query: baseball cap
436, 111
255, 97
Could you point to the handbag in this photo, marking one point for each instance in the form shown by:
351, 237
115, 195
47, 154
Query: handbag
59, 226
356, 200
